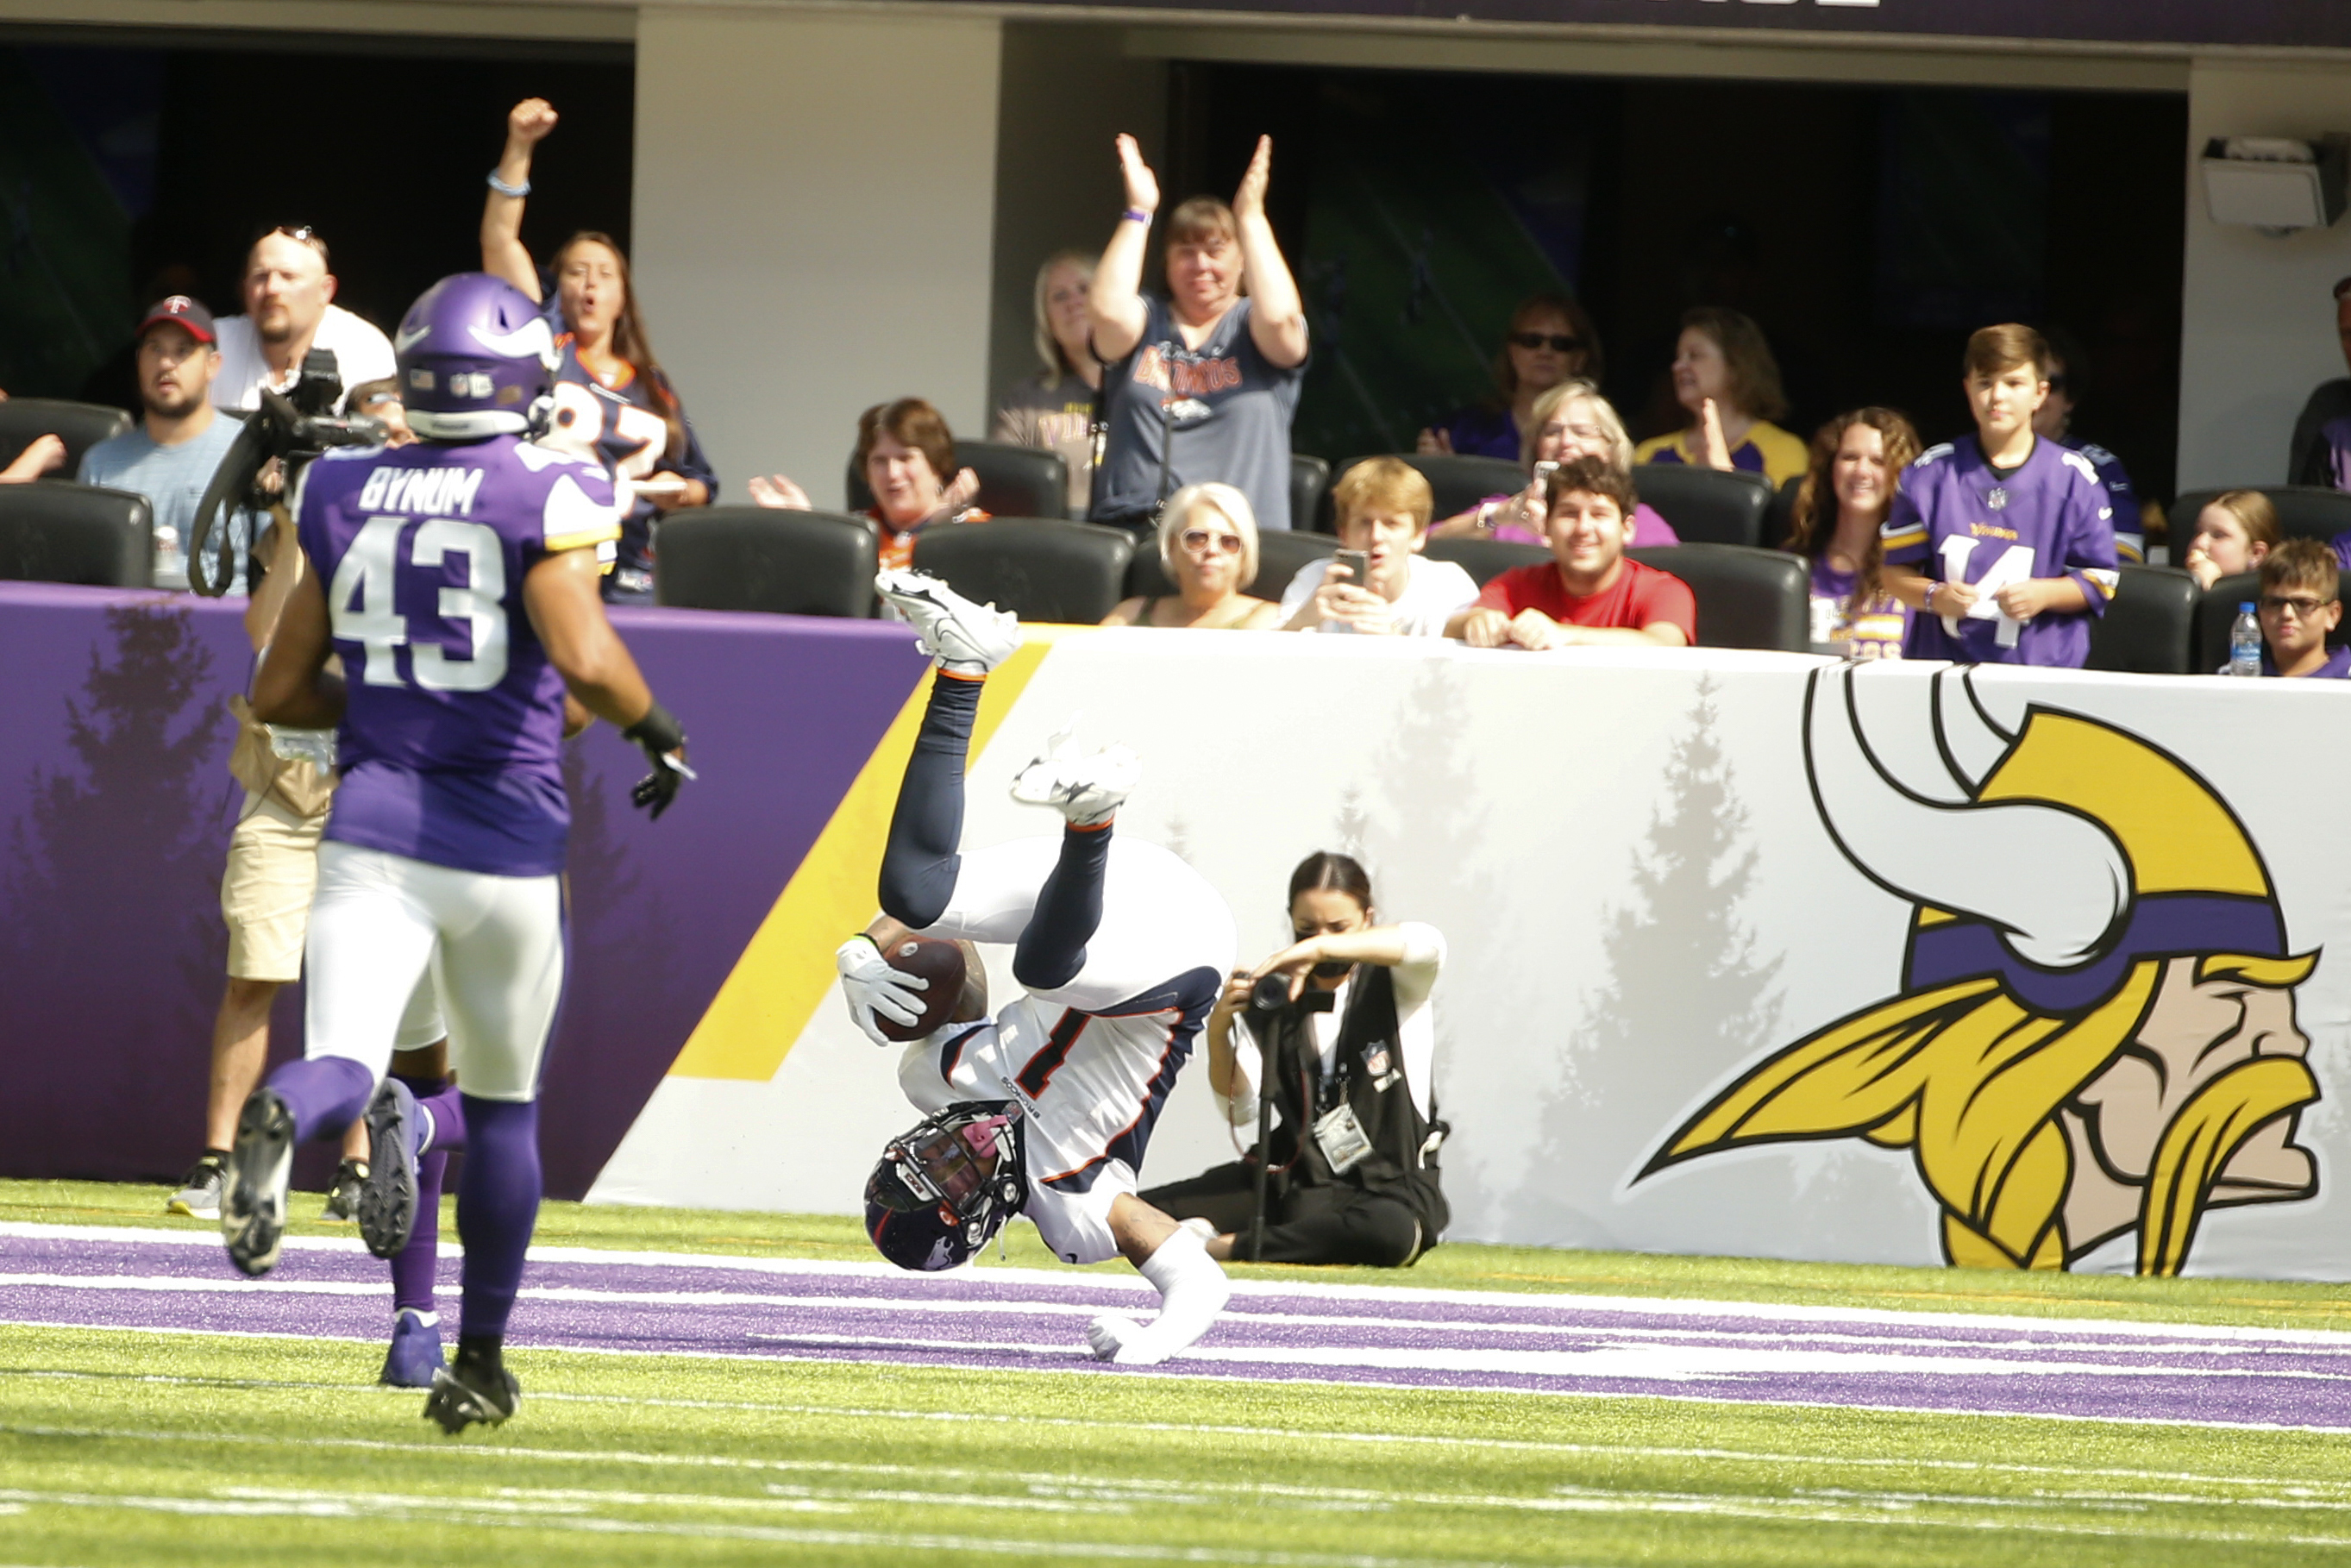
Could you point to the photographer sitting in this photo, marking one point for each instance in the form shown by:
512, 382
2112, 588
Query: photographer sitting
1353, 1045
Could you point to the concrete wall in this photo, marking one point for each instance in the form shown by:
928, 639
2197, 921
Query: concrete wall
2258, 318
1068, 89
814, 216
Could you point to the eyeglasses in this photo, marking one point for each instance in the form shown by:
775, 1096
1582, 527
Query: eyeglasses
2303, 605
1196, 540
1561, 342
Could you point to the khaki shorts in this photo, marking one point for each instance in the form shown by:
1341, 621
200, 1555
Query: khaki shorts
273, 870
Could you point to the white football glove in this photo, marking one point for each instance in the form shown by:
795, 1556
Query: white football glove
870, 985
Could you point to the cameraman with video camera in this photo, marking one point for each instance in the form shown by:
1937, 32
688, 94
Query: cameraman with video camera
1347, 1173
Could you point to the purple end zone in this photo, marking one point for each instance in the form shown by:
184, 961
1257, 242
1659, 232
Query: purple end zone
980, 1320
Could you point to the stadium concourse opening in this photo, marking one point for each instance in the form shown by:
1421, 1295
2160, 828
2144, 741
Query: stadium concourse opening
135, 168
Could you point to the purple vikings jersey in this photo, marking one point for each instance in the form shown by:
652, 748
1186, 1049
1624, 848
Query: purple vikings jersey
452, 733
2130, 534
1955, 520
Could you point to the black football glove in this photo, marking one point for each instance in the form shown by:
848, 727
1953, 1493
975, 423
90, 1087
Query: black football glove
663, 739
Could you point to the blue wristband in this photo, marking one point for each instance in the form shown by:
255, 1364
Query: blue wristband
1137, 216
503, 189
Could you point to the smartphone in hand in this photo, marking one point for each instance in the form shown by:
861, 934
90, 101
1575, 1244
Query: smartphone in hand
1358, 564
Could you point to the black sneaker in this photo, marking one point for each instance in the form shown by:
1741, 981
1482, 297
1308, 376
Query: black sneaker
200, 1190
253, 1183
387, 1185
343, 1193
472, 1388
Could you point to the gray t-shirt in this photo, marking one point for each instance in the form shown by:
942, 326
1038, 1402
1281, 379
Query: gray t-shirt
1226, 406
172, 478
1058, 418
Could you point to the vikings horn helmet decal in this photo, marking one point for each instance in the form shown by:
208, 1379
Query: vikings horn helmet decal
2094, 1033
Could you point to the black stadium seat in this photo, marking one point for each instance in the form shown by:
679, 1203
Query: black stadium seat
764, 557
2216, 613
1706, 505
1746, 598
1039, 569
1279, 554
1460, 481
1485, 560
58, 531
80, 425
2149, 628
1014, 481
2305, 512
1309, 477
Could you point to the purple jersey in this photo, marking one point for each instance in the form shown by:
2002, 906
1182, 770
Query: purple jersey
451, 739
2130, 534
1955, 520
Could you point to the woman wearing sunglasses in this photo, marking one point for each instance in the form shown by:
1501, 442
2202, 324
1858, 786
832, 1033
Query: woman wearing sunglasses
1550, 338
1208, 541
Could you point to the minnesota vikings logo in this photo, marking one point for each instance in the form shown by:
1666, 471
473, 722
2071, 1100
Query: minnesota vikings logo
2095, 1031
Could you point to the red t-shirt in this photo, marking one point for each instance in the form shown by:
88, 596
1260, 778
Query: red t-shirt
1641, 596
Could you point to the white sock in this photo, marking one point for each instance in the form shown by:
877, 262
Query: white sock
1192, 1291
430, 1320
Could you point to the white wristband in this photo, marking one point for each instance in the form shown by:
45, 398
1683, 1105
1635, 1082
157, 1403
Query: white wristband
503, 189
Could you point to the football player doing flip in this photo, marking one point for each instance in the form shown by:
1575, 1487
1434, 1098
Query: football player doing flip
457, 579
1120, 950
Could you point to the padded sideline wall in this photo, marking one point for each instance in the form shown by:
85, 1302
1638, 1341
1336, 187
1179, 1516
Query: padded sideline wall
814, 213
2257, 328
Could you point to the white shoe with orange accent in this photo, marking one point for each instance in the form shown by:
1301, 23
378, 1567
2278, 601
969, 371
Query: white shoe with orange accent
967, 639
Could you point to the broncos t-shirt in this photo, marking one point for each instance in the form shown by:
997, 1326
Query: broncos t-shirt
1223, 410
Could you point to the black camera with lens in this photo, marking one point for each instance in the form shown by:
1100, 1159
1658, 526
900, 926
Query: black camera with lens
292, 426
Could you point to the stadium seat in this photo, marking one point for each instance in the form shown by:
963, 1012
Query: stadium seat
1309, 477
2216, 613
1780, 522
1706, 505
1746, 598
764, 557
2304, 511
1278, 556
1485, 560
1014, 481
80, 425
1040, 569
1460, 481
56, 532
2150, 628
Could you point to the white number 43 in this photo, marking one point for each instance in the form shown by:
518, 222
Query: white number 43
359, 604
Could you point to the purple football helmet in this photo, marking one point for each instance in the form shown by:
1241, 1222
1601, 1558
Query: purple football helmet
477, 359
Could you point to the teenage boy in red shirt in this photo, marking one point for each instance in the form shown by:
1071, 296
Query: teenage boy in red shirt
1588, 593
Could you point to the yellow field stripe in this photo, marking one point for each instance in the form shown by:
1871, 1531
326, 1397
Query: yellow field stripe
787, 968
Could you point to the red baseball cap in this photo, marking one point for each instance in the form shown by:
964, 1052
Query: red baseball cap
186, 312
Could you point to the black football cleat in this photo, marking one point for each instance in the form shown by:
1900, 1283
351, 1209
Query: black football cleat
254, 1183
472, 1388
387, 1205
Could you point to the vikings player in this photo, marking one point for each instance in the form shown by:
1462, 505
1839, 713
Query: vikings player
457, 579
1122, 949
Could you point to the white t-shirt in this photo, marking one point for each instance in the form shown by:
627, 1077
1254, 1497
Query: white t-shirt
1424, 956
362, 354
1434, 592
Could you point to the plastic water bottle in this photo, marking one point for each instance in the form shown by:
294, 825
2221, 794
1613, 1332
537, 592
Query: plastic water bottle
2245, 643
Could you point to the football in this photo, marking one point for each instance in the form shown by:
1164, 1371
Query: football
928, 958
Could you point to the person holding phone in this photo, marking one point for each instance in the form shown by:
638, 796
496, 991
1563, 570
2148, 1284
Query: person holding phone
1571, 420
1379, 583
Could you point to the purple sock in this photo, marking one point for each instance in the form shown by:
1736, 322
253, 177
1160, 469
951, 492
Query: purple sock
448, 1110
413, 1268
326, 1094
497, 1204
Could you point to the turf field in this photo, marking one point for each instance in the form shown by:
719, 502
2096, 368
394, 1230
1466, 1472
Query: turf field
725, 1387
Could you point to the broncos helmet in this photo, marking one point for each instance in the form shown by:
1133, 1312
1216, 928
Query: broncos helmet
477, 359
943, 1187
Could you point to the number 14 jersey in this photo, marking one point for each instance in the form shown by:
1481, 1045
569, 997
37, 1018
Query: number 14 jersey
452, 734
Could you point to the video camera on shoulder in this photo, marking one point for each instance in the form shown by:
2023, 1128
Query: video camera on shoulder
293, 427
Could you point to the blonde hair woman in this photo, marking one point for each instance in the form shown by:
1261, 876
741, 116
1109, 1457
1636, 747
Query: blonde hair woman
1570, 421
1208, 542
2233, 532
1054, 409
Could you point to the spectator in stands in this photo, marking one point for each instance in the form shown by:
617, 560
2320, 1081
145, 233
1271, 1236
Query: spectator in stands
1590, 592
1208, 542
1571, 420
1382, 506
1203, 384
611, 397
905, 450
2068, 373
290, 309
2321, 454
2004, 539
180, 441
2233, 532
1550, 338
1054, 409
1856, 459
2299, 607
381, 400
1728, 383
